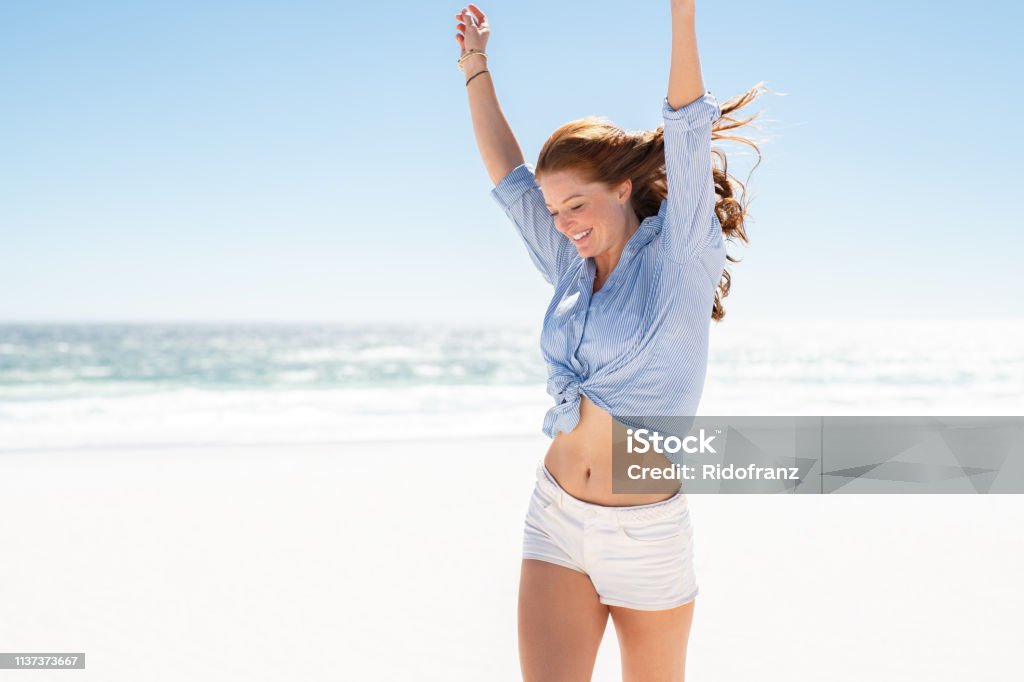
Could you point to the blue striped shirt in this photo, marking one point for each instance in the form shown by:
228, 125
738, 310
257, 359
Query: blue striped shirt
637, 347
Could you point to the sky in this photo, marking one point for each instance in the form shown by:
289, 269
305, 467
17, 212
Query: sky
315, 161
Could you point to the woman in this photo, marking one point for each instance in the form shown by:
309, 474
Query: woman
628, 228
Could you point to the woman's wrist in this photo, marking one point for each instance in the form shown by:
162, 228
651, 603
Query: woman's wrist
478, 75
473, 63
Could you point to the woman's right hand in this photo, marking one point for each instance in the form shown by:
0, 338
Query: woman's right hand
473, 30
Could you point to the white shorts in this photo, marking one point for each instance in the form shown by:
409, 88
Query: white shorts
637, 556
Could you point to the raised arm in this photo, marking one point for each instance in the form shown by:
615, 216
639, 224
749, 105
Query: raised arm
498, 146
685, 82
515, 188
688, 112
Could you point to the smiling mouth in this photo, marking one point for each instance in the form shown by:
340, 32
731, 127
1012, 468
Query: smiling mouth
580, 236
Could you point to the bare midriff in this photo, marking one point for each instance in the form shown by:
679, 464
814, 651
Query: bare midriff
581, 461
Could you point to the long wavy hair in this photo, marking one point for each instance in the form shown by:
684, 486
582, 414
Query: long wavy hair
600, 151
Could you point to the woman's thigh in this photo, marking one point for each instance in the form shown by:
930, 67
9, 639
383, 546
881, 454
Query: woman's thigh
652, 644
561, 622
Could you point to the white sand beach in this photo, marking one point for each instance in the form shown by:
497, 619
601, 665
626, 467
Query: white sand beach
401, 562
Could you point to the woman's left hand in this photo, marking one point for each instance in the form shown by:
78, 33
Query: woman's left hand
473, 30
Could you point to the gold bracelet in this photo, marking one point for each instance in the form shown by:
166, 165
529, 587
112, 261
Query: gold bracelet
470, 54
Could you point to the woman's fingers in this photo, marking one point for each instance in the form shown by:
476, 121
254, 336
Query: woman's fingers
471, 27
477, 13
474, 18
465, 21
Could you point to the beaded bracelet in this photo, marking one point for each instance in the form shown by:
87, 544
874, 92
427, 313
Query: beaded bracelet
470, 54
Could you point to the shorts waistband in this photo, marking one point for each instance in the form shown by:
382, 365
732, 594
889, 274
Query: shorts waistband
635, 513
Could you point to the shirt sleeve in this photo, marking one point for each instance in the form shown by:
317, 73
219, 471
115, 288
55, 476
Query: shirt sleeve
690, 223
520, 198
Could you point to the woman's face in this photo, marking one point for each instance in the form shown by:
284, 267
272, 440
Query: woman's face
590, 209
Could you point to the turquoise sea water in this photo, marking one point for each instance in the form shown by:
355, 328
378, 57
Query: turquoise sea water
105, 385
63, 361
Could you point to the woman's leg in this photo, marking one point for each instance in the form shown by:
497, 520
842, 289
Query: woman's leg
653, 643
561, 623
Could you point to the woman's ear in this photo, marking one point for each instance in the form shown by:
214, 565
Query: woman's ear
624, 191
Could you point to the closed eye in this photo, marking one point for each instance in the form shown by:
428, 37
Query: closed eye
575, 208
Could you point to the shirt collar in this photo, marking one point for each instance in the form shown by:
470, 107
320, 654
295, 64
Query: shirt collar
650, 227
648, 230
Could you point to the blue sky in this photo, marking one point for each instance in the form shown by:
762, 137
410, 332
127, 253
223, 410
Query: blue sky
315, 161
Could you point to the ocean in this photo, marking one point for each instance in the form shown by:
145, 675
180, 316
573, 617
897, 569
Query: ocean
151, 385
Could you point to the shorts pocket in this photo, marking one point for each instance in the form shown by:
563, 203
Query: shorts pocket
541, 499
656, 531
